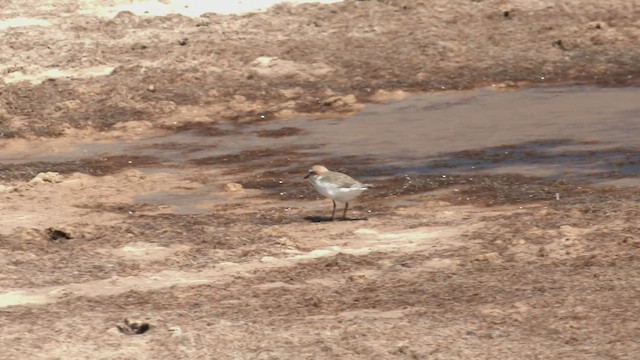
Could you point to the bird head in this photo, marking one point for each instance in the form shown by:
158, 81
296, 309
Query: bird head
316, 170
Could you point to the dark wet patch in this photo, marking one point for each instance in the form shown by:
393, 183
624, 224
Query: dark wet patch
278, 133
514, 189
288, 183
321, 219
318, 219
466, 173
185, 148
484, 190
98, 166
287, 162
209, 129
600, 163
120, 208
244, 157
274, 180
527, 151
479, 189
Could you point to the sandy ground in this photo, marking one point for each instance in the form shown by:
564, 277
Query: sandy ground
151, 166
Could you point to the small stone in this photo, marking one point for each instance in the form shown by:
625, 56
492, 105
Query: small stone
67, 105
568, 242
233, 187
56, 235
175, 331
165, 106
268, 259
151, 88
505, 85
134, 174
358, 278
489, 257
365, 232
388, 95
124, 15
264, 61
292, 92
228, 264
543, 252
630, 240
331, 100
51, 177
286, 242
340, 101
114, 331
596, 25
133, 327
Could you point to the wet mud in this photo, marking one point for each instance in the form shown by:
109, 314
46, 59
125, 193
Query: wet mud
91, 166
330, 66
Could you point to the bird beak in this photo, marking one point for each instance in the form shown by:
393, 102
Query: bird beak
308, 174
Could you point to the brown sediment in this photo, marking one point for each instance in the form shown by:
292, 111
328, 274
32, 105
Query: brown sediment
311, 73
97, 166
282, 132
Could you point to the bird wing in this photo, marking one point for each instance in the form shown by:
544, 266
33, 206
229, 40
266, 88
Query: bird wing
341, 180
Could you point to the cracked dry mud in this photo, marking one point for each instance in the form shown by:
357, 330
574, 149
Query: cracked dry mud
151, 175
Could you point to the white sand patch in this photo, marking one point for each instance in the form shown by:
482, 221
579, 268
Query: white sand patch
13, 298
38, 77
432, 239
21, 22
186, 7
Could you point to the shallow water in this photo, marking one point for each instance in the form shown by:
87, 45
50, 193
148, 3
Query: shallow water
189, 201
555, 132
431, 124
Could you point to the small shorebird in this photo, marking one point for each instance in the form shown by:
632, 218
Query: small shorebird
336, 186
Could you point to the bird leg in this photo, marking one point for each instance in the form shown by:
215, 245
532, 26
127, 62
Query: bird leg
333, 214
344, 214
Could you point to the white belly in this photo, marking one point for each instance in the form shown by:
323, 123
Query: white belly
338, 193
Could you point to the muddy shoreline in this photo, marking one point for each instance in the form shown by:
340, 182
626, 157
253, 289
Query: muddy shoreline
306, 60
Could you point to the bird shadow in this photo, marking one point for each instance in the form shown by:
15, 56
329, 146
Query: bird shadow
321, 219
